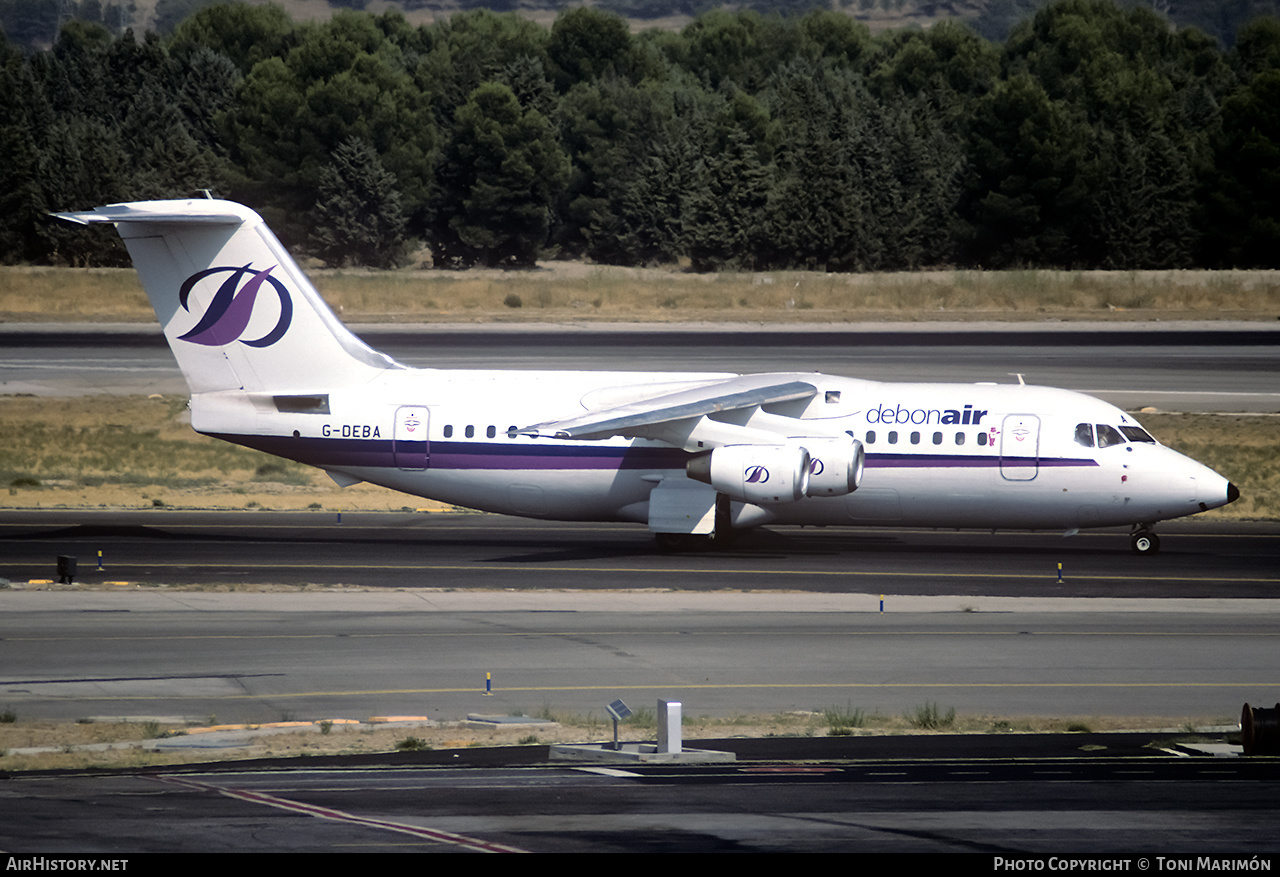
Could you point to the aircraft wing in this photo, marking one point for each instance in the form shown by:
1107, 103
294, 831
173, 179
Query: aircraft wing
640, 418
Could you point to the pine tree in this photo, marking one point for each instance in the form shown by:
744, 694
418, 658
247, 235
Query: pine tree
503, 170
358, 219
724, 220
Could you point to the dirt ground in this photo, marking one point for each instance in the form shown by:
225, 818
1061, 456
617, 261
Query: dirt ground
31, 745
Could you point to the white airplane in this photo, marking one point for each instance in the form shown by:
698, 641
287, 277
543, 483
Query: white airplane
694, 456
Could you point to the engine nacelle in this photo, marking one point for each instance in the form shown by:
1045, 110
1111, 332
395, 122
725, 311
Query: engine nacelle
755, 473
836, 465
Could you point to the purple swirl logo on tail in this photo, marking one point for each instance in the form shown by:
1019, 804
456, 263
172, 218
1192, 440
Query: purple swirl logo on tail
228, 314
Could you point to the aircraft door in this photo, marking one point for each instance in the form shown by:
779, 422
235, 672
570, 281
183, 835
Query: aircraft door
411, 447
1020, 447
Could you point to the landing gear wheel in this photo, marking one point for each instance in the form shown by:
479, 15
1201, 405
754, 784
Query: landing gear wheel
678, 543
725, 534
1145, 543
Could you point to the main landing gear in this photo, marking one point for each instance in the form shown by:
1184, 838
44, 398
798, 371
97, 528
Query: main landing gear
1144, 541
724, 535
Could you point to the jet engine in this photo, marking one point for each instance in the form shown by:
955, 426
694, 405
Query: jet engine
755, 473
836, 465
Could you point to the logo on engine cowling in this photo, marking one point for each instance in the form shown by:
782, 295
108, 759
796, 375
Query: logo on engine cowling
756, 475
228, 314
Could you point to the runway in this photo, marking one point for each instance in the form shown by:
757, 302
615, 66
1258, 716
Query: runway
565, 614
417, 550
258, 658
1202, 564
410, 613
1205, 367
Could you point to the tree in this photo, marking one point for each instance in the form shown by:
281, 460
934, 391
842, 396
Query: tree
1140, 209
245, 34
948, 63
744, 47
341, 80
358, 219
501, 173
1243, 209
473, 48
1025, 191
586, 44
816, 205
724, 220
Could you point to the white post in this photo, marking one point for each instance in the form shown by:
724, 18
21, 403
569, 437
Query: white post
669, 728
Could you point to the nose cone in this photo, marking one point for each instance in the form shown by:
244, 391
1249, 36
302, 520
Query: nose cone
1212, 490
1187, 486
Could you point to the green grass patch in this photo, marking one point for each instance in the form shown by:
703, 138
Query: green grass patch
928, 717
841, 721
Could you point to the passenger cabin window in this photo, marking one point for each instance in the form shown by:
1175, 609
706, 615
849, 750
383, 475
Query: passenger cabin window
871, 436
982, 438
893, 436
915, 438
448, 430
491, 431
1108, 436
1084, 434
937, 438
959, 438
470, 431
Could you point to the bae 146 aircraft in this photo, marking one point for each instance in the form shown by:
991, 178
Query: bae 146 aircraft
696, 457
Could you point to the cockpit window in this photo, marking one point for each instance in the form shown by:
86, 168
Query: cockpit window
1137, 434
1108, 436
1084, 434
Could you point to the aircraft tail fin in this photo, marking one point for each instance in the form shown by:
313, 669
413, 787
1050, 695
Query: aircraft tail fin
236, 309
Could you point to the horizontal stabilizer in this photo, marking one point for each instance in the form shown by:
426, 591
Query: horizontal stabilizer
131, 212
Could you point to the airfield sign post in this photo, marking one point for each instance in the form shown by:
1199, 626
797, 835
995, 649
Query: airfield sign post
619, 711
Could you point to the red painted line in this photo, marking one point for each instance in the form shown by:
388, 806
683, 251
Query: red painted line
446, 837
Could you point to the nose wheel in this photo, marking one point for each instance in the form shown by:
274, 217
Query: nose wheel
1145, 542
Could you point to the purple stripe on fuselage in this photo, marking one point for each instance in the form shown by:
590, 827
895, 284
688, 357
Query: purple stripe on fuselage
318, 451
340, 452
966, 461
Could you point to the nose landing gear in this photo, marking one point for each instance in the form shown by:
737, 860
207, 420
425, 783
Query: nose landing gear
1144, 541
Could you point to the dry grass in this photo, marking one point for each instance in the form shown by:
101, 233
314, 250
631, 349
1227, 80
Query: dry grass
72, 295
1243, 448
576, 291
140, 452
70, 739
